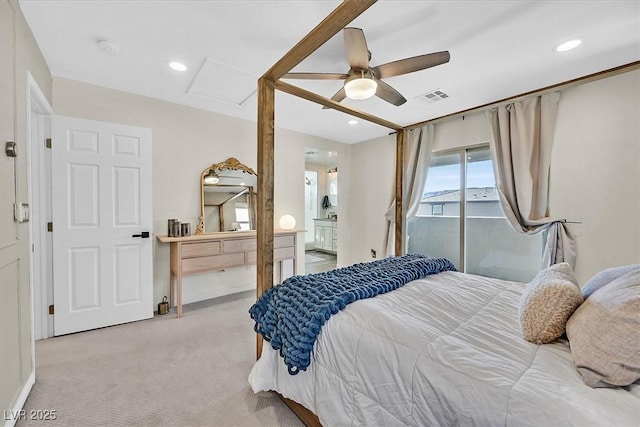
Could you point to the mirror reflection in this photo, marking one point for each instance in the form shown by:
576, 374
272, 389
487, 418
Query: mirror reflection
227, 197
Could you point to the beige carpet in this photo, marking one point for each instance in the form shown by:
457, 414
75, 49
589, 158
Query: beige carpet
159, 372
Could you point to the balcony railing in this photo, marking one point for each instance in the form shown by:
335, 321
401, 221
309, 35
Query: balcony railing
494, 249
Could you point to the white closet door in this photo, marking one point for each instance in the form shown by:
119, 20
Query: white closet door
101, 186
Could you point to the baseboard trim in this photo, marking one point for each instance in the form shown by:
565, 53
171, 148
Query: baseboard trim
20, 401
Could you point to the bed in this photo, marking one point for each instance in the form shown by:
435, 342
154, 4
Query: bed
443, 350
446, 349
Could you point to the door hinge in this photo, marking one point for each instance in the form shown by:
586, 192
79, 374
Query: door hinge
47, 143
51, 309
50, 227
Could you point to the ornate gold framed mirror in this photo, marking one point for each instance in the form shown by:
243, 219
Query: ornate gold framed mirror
227, 197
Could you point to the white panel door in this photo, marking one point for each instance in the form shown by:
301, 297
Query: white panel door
101, 186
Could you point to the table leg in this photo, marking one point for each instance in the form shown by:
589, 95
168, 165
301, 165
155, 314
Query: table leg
179, 294
171, 289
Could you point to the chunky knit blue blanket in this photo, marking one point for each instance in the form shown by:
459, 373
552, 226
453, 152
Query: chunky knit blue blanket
291, 315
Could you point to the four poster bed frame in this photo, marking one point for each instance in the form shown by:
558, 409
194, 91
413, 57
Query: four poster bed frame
346, 12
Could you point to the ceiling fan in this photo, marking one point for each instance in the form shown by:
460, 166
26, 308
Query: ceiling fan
363, 81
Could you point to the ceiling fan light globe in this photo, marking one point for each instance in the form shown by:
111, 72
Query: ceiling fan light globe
361, 88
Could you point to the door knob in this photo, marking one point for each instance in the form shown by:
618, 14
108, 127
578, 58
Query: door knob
144, 235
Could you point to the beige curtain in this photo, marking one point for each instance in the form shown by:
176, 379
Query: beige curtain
521, 137
417, 155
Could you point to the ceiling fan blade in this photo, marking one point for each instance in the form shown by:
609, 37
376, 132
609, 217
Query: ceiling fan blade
389, 94
316, 76
356, 47
338, 96
409, 65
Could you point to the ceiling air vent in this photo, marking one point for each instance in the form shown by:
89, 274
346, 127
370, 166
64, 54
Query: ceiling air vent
433, 96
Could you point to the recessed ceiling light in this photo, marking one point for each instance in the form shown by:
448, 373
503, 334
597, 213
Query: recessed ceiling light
353, 122
108, 46
178, 66
568, 45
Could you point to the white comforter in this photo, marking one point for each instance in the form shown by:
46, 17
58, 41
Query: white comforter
444, 350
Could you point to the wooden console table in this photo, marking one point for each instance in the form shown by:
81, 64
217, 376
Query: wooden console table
217, 251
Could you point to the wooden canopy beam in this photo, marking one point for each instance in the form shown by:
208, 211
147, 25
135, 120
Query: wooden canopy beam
399, 224
342, 15
313, 97
346, 12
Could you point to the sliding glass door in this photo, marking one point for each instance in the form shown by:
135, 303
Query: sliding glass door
460, 218
436, 229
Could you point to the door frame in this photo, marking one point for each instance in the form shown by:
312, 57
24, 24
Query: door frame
40, 211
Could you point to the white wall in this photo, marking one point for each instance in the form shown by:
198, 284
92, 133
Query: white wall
186, 141
372, 188
595, 172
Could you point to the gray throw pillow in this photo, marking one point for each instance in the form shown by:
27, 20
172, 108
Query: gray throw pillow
604, 334
604, 277
547, 302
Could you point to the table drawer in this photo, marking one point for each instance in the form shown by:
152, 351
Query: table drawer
282, 241
278, 255
205, 263
190, 250
239, 245
284, 253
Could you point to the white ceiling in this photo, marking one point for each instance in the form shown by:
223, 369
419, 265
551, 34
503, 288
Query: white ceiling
498, 49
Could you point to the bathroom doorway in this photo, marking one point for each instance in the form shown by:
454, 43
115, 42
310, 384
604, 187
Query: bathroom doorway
310, 206
321, 210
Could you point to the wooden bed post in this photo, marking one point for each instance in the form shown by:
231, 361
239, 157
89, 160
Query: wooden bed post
399, 230
346, 12
266, 144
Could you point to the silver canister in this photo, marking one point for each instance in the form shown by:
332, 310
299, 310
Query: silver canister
176, 228
185, 229
170, 227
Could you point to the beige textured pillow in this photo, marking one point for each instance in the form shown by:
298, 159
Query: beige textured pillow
604, 334
547, 302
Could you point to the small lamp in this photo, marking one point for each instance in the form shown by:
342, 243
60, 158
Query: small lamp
287, 222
